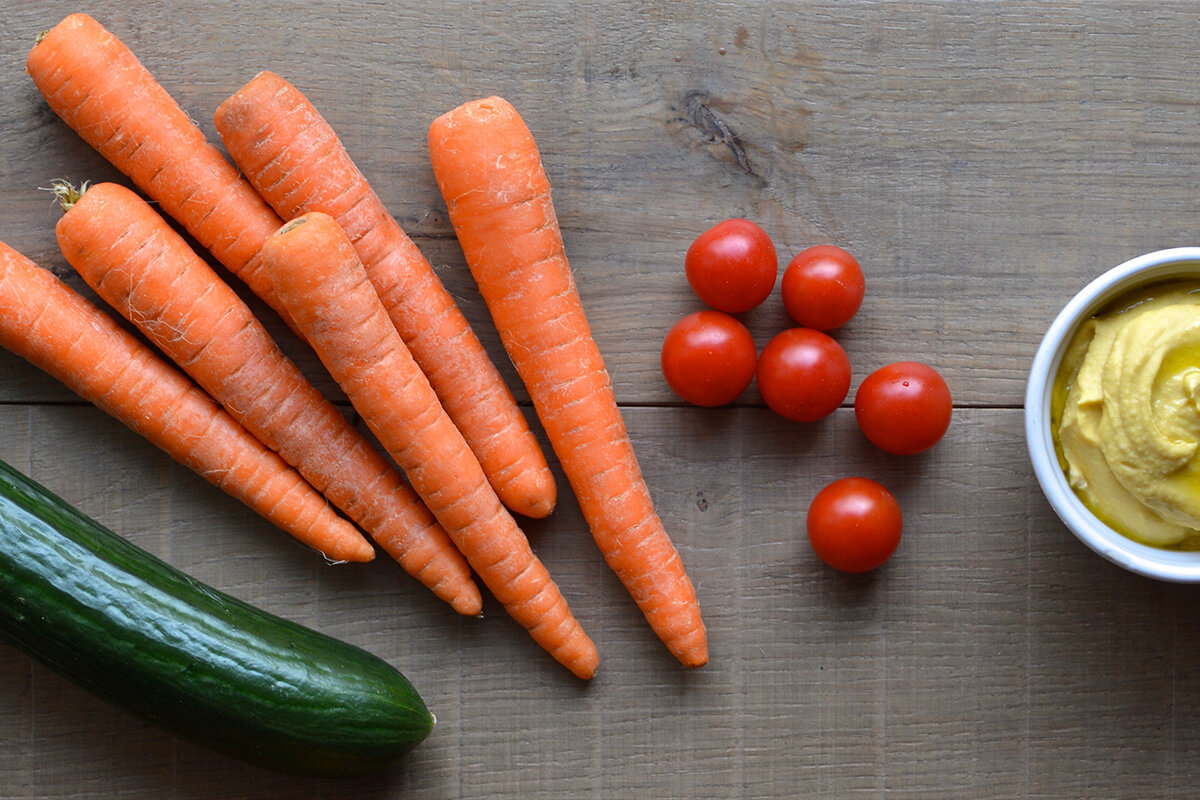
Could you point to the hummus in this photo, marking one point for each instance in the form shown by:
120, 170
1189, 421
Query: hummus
1126, 413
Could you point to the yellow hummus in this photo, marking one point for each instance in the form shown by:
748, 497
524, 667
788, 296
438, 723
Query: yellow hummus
1126, 413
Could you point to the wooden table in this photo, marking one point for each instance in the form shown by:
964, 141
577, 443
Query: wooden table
983, 162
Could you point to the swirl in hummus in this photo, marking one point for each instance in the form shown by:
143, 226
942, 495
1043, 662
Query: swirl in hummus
1127, 415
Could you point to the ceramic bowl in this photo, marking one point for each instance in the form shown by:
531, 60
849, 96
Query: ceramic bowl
1153, 562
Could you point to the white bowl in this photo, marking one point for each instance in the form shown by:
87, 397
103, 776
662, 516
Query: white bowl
1167, 565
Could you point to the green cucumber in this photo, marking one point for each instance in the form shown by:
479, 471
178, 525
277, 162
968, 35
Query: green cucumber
205, 666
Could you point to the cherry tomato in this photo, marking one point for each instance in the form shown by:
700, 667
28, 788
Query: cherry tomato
854, 524
803, 374
822, 287
903, 408
732, 266
708, 358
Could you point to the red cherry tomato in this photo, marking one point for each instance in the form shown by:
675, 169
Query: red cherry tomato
732, 266
854, 524
708, 358
822, 287
903, 408
803, 374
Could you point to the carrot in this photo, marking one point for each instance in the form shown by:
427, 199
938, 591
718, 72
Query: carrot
294, 158
99, 88
325, 287
135, 261
57, 330
491, 176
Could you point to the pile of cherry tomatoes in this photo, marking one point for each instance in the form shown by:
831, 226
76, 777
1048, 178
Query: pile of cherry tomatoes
709, 358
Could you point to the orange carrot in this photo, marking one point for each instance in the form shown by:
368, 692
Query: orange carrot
57, 330
99, 88
294, 158
326, 289
140, 266
490, 173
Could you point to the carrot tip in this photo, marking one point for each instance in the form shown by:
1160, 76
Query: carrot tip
537, 509
587, 670
65, 193
296, 223
354, 553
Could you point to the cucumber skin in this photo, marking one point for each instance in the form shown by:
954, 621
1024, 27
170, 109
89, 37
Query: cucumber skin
206, 666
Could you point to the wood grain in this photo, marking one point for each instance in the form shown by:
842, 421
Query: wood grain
982, 160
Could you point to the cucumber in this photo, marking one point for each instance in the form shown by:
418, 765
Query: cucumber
201, 664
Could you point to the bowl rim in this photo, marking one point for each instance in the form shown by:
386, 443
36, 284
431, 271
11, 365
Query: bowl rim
1152, 562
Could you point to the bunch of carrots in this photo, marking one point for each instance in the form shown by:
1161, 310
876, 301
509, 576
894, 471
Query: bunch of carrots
298, 223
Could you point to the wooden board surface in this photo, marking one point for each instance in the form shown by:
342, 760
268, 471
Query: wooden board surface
983, 161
